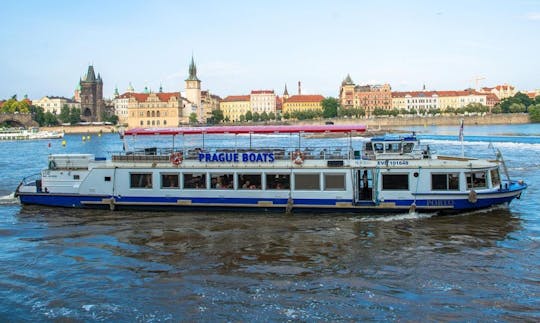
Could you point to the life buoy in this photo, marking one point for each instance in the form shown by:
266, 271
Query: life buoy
176, 158
298, 157
473, 196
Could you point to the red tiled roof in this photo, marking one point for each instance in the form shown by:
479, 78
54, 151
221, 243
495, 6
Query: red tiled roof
262, 92
236, 98
305, 98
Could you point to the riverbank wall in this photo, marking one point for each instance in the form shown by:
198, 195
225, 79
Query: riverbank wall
374, 122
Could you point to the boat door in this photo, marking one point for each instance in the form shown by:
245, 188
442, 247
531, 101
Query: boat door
365, 184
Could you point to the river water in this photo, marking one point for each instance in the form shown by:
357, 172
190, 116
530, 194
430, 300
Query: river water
90, 265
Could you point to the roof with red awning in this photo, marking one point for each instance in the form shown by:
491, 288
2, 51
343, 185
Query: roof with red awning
246, 130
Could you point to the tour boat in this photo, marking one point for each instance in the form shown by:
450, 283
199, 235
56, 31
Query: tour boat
390, 174
28, 134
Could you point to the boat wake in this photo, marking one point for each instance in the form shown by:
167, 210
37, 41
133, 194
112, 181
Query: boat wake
9, 199
397, 217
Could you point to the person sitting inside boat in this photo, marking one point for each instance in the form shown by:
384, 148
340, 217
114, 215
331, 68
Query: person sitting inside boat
247, 184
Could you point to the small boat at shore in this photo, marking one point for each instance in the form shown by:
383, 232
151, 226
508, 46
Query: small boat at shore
386, 174
28, 134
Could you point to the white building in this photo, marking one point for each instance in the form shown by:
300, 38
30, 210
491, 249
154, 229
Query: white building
54, 104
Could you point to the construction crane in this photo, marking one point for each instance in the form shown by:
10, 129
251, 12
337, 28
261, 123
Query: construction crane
477, 79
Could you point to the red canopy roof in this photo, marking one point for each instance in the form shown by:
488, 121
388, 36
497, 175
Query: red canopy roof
244, 130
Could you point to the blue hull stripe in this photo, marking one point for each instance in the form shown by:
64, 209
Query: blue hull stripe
157, 202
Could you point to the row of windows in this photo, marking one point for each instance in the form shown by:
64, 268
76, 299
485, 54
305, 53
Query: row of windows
153, 122
241, 181
443, 181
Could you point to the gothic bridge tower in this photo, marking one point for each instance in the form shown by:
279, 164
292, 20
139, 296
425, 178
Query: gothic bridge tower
92, 104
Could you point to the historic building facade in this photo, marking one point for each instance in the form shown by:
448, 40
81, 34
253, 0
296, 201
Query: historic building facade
91, 95
302, 102
154, 109
54, 104
426, 100
263, 101
368, 97
501, 91
235, 106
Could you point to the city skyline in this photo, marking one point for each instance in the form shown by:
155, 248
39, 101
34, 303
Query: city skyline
242, 46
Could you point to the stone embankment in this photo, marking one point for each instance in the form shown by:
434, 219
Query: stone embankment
376, 122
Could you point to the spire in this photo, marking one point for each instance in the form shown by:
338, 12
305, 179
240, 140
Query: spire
99, 78
90, 76
347, 80
192, 71
160, 88
116, 94
286, 92
130, 88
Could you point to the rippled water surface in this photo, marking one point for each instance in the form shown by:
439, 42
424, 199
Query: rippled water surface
91, 265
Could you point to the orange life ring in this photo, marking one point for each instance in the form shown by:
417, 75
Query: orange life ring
176, 158
298, 157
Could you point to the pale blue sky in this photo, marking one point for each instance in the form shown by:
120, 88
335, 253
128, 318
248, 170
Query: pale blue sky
240, 46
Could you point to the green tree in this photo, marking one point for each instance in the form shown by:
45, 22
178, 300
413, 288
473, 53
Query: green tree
38, 114
217, 115
286, 116
49, 119
517, 108
330, 107
264, 116
534, 112
256, 116
75, 116
249, 116
272, 116
193, 118
242, 118
64, 115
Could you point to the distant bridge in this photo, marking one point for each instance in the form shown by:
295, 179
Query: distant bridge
18, 120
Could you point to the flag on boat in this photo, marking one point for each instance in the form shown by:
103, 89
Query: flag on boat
461, 131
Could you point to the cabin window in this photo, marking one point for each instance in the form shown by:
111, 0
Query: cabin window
378, 147
195, 180
170, 181
476, 179
221, 181
307, 182
76, 177
107, 179
495, 178
334, 182
408, 147
445, 182
141, 180
392, 147
395, 181
249, 181
278, 181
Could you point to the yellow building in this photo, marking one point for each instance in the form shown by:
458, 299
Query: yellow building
235, 106
459, 99
302, 103
155, 109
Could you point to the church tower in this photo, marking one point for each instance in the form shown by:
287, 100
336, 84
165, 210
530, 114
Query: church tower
193, 89
92, 105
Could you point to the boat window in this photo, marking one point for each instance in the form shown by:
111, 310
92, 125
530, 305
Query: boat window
169, 181
141, 180
250, 181
476, 179
75, 177
392, 148
278, 181
495, 178
408, 147
449, 181
378, 147
221, 181
395, 181
334, 182
195, 180
307, 182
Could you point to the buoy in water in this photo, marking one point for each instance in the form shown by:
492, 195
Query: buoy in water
63, 143
49, 145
